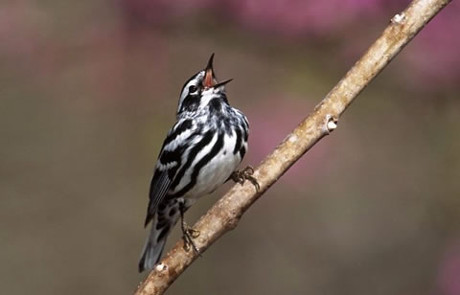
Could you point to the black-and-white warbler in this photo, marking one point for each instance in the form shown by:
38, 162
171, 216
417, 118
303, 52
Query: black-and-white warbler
200, 152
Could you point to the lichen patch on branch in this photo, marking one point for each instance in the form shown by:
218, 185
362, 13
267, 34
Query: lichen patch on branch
398, 18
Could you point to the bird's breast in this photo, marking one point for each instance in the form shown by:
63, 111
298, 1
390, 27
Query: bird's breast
222, 162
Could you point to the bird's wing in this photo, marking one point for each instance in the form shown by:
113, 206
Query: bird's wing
167, 165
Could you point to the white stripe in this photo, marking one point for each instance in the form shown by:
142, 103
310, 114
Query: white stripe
188, 173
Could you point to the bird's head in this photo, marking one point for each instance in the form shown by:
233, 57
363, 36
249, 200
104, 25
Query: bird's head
201, 88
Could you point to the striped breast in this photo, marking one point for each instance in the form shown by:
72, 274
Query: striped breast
210, 162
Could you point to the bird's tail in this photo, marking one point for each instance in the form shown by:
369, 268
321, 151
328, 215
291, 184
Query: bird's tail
162, 224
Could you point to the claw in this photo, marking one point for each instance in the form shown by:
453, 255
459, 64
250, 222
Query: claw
245, 174
186, 244
188, 233
188, 240
193, 233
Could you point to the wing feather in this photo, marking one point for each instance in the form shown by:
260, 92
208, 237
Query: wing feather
167, 165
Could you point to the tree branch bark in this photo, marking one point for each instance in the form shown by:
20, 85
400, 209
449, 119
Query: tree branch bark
225, 214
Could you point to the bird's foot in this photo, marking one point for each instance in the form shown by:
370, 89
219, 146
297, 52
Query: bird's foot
240, 176
188, 234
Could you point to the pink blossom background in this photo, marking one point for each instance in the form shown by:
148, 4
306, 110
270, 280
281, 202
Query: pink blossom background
89, 89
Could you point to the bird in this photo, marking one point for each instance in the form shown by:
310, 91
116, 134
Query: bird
201, 151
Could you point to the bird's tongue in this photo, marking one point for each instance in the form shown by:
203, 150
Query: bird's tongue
208, 79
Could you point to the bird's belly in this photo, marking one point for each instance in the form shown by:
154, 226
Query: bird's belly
215, 173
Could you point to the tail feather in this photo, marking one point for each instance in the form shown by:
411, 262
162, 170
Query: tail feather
162, 223
152, 251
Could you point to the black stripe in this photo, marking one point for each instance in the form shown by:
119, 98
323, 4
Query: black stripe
190, 79
238, 141
205, 160
242, 152
186, 124
181, 106
191, 157
245, 132
190, 103
215, 106
168, 157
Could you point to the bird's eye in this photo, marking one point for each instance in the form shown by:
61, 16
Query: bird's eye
192, 89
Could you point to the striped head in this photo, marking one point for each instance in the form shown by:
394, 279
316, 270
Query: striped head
201, 89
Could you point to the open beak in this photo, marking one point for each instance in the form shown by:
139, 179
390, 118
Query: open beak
222, 83
209, 78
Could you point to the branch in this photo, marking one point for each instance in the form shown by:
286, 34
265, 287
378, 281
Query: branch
225, 214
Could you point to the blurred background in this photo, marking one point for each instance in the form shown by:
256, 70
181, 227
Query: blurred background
89, 89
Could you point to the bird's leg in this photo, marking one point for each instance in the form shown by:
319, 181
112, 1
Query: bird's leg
241, 175
188, 233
